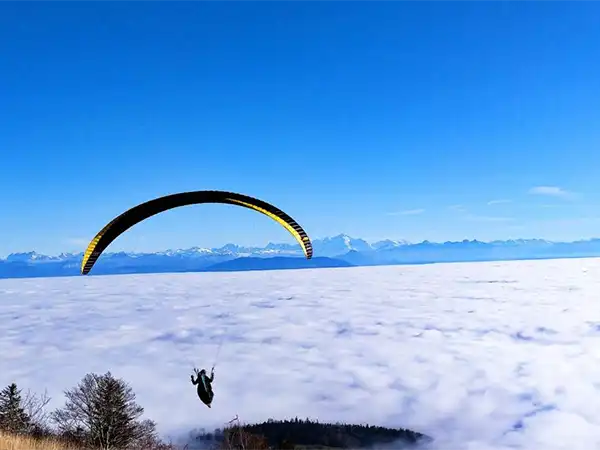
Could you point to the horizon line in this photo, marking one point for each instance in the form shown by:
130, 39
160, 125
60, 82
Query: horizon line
294, 245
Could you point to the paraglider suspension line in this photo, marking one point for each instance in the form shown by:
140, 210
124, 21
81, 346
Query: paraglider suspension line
218, 351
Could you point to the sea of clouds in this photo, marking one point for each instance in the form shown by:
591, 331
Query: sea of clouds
499, 355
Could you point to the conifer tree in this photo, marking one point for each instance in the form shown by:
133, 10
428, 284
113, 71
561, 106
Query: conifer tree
13, 417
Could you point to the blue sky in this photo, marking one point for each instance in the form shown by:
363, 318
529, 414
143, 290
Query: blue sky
412, 120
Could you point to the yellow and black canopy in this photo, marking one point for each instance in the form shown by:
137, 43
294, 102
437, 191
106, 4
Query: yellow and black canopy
148, 209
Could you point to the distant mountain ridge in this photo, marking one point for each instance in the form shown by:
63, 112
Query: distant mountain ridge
337, 251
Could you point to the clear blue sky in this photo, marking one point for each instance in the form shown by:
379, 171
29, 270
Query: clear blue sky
379, 120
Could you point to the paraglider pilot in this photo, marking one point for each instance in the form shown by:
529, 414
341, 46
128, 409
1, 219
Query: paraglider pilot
203, 381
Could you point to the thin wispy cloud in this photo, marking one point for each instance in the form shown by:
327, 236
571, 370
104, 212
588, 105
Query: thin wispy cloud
77, 242
551, 191
477, 339
478, 218
412, 212
459, 208
572, 221
499, 202
408, 212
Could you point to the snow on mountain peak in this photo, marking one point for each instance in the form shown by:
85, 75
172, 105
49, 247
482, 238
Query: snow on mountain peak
388, 244
27, 256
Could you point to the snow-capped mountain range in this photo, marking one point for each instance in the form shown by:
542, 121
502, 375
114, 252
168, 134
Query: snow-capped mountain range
337, 251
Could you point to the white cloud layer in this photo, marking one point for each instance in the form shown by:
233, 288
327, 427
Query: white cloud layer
479, 355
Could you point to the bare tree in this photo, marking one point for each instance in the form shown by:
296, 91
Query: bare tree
103, 409
34, 406
236, 438
147, 438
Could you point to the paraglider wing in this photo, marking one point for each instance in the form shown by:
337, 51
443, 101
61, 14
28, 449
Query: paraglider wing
148, 209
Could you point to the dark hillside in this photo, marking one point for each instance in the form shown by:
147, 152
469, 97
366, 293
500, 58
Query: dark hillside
306, 434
